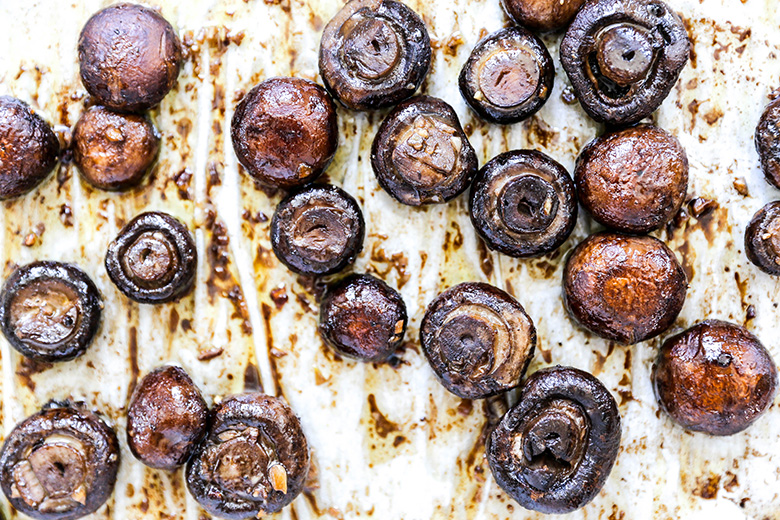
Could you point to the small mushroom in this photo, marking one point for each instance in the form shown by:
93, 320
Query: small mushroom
523, 204
542, 15
715, 378
477, 339
254, 460
50, 311
623, 57
363, 318
508, 76
374, 54
768, 142
285, 132
59, 464
623, 288
153, 259
762, 239
129, 56
553, 451
633, 180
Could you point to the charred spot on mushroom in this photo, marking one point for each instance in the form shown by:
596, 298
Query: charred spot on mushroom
542, 15
553, 451
50, 311
421, 154
477, 339
762, 239
768, 142
317, 230
715, 377
523, 204
508, 76
254, 460
374, 54
59, 464
623, 57
153, 259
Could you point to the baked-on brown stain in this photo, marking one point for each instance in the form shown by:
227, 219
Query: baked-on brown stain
542, 15
382, 425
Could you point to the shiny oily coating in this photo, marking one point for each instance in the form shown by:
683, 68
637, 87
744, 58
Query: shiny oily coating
715, 377
374, 54
762, 239
59, 464
478, 340
542, 15
554, 450
523, 204
768, 142
623, 57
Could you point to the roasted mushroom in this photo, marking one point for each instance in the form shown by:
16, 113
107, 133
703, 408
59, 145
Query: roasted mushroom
153, 259
622, 288
477, 339
166, 419
634, 180
542, 15
421, 154
254, 460
318, 230
762, 239
374, 54
553, 451
59, 464
129, 57
363, 318
623, 57
768, 142
523, 203
50, 311
285, 132
28, 148
715, 378
508, 76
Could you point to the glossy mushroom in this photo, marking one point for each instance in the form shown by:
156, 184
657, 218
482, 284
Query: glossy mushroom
767, 140
50, 311
523, 204
554, 450
762, 239
715, 377
623, 57
374, 54
542, 15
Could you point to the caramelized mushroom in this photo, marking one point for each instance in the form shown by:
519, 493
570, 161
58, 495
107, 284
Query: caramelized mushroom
153, 259
50, 311
374, 54
508, 76
768, 142
623, 57
59, 464
523, 204
254, 460
285, 132
129, 56
715, 378
478, 340
622, 288
762, 239
553, 451
634, 180
28, 148
542, 15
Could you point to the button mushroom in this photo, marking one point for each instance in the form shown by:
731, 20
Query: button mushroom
542, 15
762, 239
768, 142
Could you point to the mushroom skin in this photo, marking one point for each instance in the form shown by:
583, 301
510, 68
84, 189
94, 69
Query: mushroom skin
767, 140
554, 450
542, 15
59, 464
715, 377
762, 239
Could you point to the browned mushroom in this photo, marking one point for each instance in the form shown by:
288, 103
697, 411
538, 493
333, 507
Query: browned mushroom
762, 239
768, 142
542, 15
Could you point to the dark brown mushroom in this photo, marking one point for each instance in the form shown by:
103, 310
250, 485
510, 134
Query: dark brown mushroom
553, 451
523, 204
762, 239
153, 259
129, 56
633, 180
254, 461
715, 378
28, 148
166, 418
768, 142
363, 318
59, 464
374, 54
421, 155
542, 15
622, 288
623, 57
50, 311
508, 76
285, 132
477, 339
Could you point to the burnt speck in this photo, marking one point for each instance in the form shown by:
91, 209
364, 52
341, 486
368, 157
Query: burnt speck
700, 207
